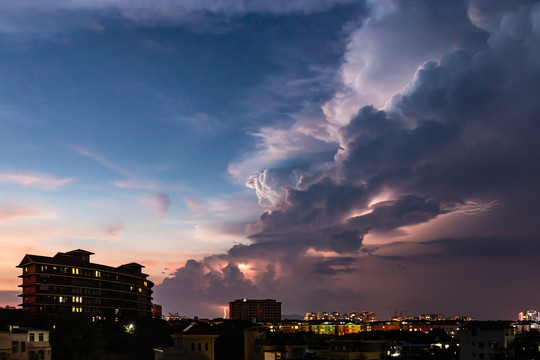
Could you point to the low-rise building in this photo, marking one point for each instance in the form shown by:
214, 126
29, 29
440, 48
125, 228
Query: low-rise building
21, 343
485, 339
352, 347
193, 343
261, 344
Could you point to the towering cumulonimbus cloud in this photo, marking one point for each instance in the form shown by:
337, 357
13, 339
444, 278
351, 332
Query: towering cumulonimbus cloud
461, 137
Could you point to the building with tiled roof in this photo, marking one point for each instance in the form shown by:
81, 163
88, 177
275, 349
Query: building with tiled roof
69, 283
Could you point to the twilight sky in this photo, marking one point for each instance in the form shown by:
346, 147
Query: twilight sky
331, 154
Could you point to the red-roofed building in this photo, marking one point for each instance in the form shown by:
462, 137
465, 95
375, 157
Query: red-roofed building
70, 283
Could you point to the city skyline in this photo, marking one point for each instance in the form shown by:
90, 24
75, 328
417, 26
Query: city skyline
334, 155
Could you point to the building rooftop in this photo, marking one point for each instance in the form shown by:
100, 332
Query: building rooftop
195, 329
487, 325
72, 258
21, 329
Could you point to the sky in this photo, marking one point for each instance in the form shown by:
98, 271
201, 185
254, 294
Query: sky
335, 155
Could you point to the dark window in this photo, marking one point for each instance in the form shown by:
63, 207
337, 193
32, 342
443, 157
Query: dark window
23, 346
199, 346
192, 346
32, 337
205, 346
40, 336
480, 344
14, 347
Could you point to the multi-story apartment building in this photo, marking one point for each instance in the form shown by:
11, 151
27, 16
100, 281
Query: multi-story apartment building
258, 310
356, 317
70, 283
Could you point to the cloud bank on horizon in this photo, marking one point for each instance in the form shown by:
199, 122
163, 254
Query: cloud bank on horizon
448, 155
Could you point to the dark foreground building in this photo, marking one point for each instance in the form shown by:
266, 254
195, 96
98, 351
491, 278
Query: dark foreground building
69, 283
255, 310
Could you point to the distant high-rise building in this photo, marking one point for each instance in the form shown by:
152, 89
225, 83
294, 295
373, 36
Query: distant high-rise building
255, 310
529, 315
70, 283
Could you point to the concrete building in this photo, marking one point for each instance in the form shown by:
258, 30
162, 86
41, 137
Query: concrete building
351, 347
523, 327
19, 343
262, 345
70, 283
192, 343
255, 310
485, 339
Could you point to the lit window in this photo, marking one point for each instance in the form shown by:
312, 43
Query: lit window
75, 271
145, 283
140, 290
98, 273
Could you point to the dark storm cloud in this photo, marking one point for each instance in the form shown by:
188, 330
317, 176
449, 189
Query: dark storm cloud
336, 265
465, 128
199, 288
486, 247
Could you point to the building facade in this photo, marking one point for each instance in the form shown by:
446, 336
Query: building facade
261, 345
193, 343
69, 283
354, 348
255, 310
485, 340
18, 343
